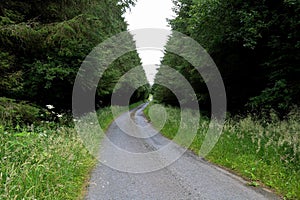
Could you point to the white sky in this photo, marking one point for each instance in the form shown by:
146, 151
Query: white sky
150, 14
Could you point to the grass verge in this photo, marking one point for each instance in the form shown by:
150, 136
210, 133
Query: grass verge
42, 162
266, 152
45, 160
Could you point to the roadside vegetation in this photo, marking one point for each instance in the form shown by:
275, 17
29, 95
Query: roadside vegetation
42, 156
264, 151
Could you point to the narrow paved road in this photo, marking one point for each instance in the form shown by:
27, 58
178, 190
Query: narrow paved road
189, 177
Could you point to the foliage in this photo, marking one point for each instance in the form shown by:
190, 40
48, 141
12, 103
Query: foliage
43, 44
255, 44
18, 113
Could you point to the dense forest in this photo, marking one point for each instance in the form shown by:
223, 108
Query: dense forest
255, 45
43, 44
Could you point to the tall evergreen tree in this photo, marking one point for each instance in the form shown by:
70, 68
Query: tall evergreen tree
43, 44
255, 44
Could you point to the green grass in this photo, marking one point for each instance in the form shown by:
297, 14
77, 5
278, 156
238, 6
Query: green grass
42, 163
46, 160
264, 152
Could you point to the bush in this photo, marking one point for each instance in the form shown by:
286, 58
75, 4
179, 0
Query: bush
13, 112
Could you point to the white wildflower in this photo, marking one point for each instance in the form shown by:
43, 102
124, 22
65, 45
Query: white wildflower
59, 115
50, 107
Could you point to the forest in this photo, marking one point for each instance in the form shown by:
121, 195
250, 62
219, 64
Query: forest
255, 45
43, 44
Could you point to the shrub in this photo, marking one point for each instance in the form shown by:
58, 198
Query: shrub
13, 112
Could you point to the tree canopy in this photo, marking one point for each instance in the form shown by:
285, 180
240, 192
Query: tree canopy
255, 44
43, 44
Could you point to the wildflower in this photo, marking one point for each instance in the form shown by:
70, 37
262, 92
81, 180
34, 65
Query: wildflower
59, 115
50, 107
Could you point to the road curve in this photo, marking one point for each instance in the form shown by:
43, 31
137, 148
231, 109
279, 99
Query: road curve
189, 177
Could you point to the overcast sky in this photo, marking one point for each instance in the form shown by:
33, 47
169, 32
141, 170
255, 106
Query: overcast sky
150, 14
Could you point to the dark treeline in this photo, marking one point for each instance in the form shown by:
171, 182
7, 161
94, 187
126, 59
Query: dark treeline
255, 44
43, 44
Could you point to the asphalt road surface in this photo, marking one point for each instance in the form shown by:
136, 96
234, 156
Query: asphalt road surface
121, 176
